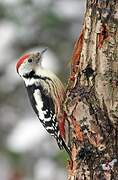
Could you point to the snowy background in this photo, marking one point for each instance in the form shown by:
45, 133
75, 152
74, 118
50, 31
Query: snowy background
27, 152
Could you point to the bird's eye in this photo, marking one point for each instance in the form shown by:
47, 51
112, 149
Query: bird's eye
30, 60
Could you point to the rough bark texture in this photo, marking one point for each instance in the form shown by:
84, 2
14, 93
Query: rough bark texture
91, 102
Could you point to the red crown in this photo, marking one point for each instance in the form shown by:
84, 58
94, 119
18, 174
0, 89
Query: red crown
21, 60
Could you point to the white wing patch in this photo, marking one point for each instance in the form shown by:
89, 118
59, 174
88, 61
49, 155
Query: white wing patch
39, 106
39, 103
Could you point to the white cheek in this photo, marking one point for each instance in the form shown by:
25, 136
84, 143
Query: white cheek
20, 71
24, 69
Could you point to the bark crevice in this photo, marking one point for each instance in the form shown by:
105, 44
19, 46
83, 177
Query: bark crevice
91, 102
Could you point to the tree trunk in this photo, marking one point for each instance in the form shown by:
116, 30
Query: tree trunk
91, 102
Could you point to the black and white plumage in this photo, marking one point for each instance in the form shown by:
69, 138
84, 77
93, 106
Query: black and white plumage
45, 92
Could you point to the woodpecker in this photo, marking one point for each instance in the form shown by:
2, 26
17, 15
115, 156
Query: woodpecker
45, 92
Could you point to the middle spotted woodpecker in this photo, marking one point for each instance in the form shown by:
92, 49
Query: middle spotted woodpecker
45, 92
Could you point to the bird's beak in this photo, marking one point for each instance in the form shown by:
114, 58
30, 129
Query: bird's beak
43, 51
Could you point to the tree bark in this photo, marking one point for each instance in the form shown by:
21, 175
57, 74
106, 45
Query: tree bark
91, 102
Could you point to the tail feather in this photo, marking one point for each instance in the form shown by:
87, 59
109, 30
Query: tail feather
62, 145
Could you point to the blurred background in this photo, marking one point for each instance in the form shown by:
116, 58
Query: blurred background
27, 152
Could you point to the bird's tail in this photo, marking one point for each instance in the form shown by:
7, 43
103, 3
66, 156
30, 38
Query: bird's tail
62, 145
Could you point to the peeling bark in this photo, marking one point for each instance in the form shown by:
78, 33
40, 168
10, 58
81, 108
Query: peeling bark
91, 102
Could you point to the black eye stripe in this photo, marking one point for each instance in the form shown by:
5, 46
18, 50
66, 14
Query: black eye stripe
30, 60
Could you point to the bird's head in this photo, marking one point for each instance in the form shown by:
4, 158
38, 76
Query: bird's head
29, 62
